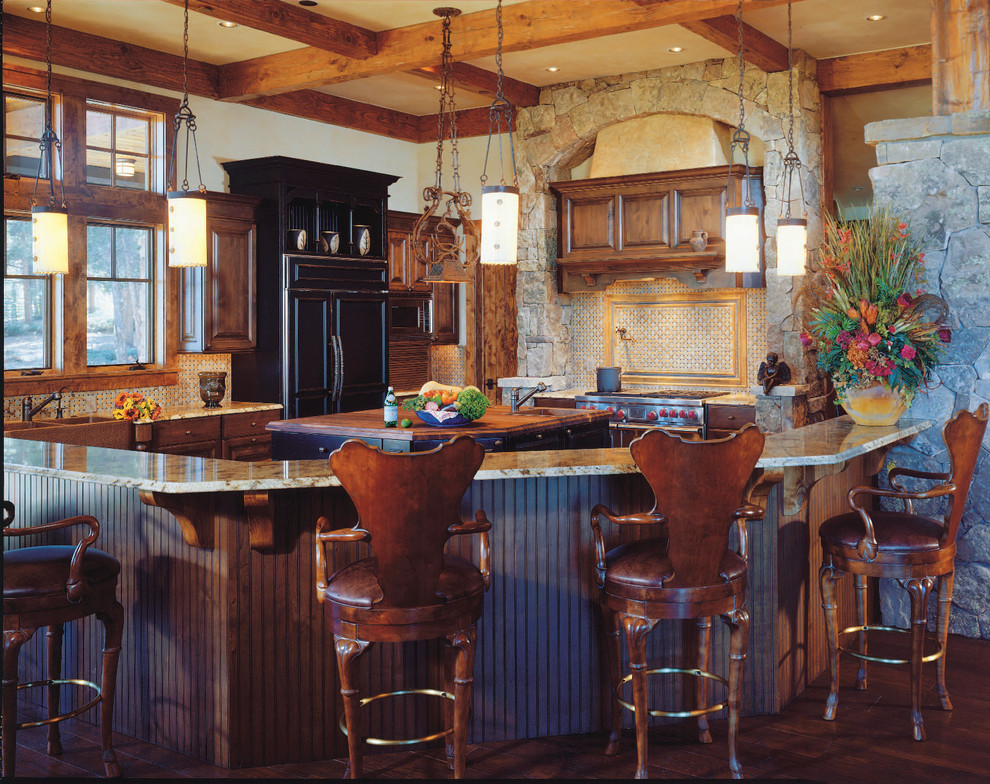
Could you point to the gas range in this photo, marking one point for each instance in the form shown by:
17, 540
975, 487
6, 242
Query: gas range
681, 408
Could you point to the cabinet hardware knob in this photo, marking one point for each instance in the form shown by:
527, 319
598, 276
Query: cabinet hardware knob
498, 442
539, 435
253, 440
254, 424
322, 449
189, 432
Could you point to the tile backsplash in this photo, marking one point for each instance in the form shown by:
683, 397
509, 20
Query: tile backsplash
185, 394
447, 364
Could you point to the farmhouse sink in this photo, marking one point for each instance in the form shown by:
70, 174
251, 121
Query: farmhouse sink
81, 430
88, 419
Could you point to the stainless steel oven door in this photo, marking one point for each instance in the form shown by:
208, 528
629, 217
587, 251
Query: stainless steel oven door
624, 433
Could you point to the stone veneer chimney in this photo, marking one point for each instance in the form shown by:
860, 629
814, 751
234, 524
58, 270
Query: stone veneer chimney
935, 173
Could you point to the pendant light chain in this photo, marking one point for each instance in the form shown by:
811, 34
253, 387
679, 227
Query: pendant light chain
49, 144
792, 233
448, 111
500, 113
792, 163
184, 116
741, 137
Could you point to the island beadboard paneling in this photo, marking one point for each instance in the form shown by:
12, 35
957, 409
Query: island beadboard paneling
226, 656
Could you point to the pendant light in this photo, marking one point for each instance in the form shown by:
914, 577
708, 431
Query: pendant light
49, 221
499, 203
442, 249
186, 209
742, 224
792, 233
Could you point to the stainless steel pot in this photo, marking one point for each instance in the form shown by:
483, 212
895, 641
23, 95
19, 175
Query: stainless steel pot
609, 379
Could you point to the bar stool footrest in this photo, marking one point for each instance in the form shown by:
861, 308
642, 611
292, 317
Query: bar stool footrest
405, 741
881, 660
62, 716
684, 714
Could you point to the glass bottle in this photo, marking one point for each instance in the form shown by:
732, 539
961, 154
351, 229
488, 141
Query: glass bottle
391, 409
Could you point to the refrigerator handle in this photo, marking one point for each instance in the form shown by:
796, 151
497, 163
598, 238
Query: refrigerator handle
338, 367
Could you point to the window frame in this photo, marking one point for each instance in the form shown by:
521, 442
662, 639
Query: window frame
97, 203
48, 348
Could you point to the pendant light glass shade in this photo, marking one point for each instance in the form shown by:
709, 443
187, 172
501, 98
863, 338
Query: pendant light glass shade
186, 229
742, 239
499, 224
792, 246
50, 240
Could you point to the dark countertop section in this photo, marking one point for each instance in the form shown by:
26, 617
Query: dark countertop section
497, 421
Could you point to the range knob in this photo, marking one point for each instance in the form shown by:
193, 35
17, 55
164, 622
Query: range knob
663, 412
683, 414
620, 414
610, 410
652, 415
692, 414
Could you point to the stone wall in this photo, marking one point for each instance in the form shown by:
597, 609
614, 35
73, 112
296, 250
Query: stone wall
560, 132
935, 173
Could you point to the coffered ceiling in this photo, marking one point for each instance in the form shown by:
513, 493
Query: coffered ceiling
367, 63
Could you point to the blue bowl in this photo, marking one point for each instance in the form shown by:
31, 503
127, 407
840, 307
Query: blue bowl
454, 421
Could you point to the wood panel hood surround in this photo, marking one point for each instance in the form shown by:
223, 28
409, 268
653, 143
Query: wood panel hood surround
637, 226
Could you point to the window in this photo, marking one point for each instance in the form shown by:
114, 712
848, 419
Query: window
119, 302
26, 302
118, 147
24, 122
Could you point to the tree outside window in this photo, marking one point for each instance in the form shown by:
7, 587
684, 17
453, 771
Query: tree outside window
26, 302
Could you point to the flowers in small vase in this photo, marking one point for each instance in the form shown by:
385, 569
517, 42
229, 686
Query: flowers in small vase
134, 406
867, 312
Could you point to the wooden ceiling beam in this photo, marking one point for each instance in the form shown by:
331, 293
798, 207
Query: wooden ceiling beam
95, 54
292, 22
470, 122
478, 80
854, 73
759, 49
528, 25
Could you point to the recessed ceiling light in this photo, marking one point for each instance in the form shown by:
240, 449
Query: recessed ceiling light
676, 49
307, 3
36, 9
553, 69
228, 25
875, 18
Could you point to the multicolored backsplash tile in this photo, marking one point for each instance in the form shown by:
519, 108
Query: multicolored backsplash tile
185, 394
447, 364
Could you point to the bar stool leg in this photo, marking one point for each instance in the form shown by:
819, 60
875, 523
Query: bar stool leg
860, 584
348, 652
738, 622
55, 634
636, 630
463, 643
942, 629
827, 578
113, 624
12, 642
613, 655
918, 590
701, 684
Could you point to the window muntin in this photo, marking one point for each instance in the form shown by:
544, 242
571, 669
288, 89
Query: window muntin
24, 122
26, 302
119, 294
118, 148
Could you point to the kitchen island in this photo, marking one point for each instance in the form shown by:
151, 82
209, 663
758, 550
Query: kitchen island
226, 655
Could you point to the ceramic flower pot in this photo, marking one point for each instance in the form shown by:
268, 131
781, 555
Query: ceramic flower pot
876, 405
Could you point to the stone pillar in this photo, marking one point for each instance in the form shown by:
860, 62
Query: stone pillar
935, 173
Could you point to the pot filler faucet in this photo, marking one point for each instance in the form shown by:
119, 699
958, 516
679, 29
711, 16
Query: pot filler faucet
515, 401
28, 409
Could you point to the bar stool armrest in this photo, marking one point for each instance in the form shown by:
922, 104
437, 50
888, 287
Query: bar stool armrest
325, 537
640, 518
739, 517
867, 547
481, 526
916, 474
75, 586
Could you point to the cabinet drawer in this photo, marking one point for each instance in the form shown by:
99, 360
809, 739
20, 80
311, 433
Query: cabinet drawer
181, 431
723, 417
249, 423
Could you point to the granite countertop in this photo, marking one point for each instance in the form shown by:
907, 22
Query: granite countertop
192, 412
824, 443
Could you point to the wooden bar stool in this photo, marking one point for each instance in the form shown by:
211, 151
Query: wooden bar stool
687, 572
49, 586
910, 548
408, 506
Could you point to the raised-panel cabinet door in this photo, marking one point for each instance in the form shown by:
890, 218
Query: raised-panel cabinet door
230, 313
209, 449
309, 373
249, 448
359, 326
445, 312
398, 260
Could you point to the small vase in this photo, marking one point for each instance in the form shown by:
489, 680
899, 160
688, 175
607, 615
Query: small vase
698, 241
877, 405
212, 387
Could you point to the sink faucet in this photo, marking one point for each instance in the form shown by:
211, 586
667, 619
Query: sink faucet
28, 409
515, 401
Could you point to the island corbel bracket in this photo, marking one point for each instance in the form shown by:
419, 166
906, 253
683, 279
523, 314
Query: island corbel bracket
797, 483
196, 513
261, 532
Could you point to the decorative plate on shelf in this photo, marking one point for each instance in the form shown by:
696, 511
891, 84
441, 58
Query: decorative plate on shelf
430, 418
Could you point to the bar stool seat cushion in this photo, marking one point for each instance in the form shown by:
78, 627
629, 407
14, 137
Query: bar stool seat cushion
896, 532
637, 570
34, 578
357, 586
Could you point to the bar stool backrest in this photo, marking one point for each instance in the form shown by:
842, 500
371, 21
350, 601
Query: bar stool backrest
698, 485
963, 435
406, 501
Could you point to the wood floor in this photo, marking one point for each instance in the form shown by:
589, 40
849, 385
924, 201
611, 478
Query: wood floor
870, 742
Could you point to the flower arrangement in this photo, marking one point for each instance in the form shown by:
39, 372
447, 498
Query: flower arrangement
134, 405
867, 312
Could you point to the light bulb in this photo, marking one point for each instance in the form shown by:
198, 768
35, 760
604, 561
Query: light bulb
499, 224
186, 229
792, 246
742, 240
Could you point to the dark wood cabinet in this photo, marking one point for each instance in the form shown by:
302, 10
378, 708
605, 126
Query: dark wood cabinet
638, 225
236, 436
217, 302
722, 420
322, 343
